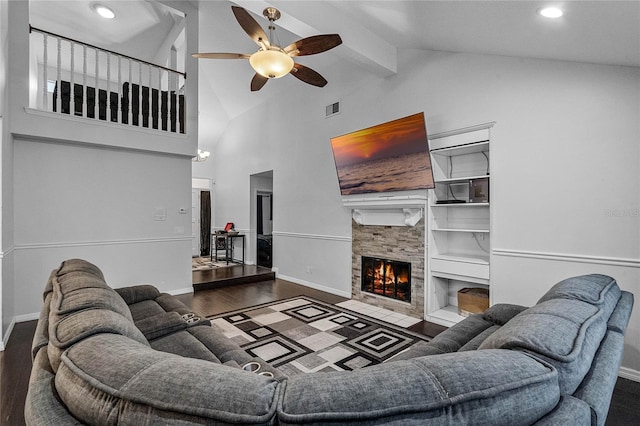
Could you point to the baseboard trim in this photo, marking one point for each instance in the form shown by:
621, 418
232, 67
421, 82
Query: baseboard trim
628, 373
315, 286
5, 338
564, 257
27, 317
178, 291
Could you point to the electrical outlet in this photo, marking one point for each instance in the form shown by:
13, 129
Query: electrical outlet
308, 269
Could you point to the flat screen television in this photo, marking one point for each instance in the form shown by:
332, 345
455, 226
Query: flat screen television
389, 157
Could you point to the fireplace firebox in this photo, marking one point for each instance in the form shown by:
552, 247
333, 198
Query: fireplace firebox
388, 278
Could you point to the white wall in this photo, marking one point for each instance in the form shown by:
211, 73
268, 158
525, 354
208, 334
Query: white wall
73, 188
100, 205
565, 158
8, 12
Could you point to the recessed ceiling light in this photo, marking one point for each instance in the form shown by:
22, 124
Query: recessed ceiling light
551, 12
104, 11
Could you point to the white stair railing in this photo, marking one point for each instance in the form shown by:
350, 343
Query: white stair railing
89, 84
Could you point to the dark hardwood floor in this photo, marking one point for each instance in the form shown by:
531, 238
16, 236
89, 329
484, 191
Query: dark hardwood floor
15, 361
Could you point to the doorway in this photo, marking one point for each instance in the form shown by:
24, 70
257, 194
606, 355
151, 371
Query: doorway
262, 215
201, 217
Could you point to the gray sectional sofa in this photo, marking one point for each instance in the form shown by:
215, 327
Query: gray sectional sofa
136, 356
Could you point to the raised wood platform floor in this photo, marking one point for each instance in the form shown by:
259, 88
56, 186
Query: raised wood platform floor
232, 275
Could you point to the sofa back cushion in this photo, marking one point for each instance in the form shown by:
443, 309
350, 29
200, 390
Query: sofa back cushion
83, 287
457, 388
109, 379
82, 305
565, 328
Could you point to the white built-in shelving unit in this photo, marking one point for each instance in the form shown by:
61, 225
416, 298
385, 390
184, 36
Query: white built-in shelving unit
459, 229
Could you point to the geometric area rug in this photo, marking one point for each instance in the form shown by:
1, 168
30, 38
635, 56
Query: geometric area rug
205, 262
303, 335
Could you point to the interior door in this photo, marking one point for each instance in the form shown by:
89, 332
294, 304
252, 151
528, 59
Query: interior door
264, 227
195, 222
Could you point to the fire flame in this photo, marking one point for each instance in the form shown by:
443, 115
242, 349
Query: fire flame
385, 274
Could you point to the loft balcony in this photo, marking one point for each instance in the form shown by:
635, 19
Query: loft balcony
110, 88
130, 91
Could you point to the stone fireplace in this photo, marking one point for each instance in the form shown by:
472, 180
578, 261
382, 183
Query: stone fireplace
390, 247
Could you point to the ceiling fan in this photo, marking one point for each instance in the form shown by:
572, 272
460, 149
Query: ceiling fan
271, 60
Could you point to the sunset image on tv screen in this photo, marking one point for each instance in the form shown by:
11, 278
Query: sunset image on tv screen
389, 157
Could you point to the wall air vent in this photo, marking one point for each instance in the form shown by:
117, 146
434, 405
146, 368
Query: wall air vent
332, 109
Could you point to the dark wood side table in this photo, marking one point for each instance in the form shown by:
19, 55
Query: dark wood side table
228, 246
229, 251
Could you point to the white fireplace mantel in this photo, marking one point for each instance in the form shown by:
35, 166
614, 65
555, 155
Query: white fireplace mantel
405, 209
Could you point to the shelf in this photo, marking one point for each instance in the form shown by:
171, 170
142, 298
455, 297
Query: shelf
482, 231
471, 148
455, 261
479, 259
464, 179
463, 205
460, 268
446, 316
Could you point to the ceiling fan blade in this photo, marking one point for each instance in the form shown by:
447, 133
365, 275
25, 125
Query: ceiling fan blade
257, 82
221, 55
308, 75
250, 26
314, 44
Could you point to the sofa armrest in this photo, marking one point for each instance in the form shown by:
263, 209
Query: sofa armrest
501, 313
42, 406
161, 325
138, 293
569, 411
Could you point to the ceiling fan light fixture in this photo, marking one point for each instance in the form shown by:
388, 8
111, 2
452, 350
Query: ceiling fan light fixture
271, 63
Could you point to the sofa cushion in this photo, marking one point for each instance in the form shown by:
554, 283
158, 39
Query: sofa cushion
77, 326
594, 289
108, 379
161, 325
183, 343
570, 411
171, 303
565, 328
42, 406
82, 305
138, 293
145, 309
501, 313
475, 343
80, 266
620, 317
454, 388
453, 339
80, 285
221, 346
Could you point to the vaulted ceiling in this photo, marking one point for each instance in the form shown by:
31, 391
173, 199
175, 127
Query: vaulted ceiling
602, 32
